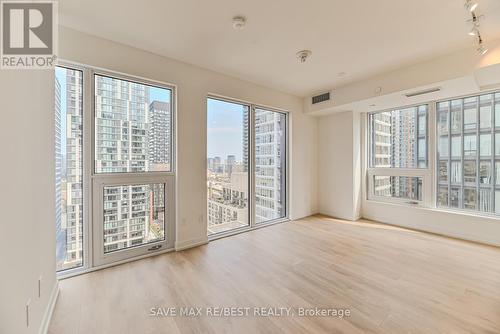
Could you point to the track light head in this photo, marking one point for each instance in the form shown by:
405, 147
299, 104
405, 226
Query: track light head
474, 31
471, 6
482, 50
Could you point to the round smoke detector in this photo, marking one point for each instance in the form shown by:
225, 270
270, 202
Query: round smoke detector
303, 55
239, 22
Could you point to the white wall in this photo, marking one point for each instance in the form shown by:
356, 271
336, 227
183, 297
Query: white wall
338, 165
27, 214
193, 85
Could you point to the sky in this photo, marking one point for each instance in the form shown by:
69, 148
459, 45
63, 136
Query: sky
225, 129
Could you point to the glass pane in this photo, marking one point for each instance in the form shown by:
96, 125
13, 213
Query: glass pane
455, 197
270, 164
497, 201
227, 165
485, 172
456, 146
470, 145
133, 127
456, 116
422, 125
497, 173
69, 167
485, 145
398, 187
485, 117
456, 172
443, 196
399, 138
443, 171
443, 118
470, 113
470, 198
497, 144
443, 147
497, 113
485, 200
470, 171
485, 111
134, 215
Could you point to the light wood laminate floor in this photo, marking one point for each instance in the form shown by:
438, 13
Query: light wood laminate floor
393, 281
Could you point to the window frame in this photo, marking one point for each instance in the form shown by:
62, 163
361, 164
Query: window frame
92, 259
424, 173
251, 167
85, 175
431, 192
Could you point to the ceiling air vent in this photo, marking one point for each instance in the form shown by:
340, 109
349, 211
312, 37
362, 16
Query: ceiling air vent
422, 92
321, 98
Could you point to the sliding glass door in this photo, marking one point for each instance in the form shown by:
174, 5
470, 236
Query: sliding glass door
246, 166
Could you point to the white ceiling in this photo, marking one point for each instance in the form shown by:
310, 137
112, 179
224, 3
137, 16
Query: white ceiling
359, 37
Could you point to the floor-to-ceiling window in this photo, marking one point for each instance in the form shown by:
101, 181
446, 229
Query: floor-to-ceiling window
246, 165
115, 133
69, 167
227, 165
468, 149
132, 179
270, 165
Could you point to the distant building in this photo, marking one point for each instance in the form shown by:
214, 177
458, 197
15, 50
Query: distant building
270, 165
74, 177
159, 133
230, 163
227, 203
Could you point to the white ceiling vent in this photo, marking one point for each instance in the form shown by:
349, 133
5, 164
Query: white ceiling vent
321, 98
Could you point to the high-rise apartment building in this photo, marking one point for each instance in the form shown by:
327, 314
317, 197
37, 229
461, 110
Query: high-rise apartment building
270, 143
74, 169
60, 232
132, 135
230, 164
160, 135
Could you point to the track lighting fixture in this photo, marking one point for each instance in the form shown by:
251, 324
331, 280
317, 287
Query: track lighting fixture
471, 6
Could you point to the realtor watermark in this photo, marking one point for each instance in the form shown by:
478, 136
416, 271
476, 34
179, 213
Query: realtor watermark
28, 34
240, 311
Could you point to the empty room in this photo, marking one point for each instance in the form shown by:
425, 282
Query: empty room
237, 166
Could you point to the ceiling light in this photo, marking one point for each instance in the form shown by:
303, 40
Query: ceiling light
239, 22
303, 55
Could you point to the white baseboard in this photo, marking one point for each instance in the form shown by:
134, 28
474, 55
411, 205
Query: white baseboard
44, 326
190, 243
